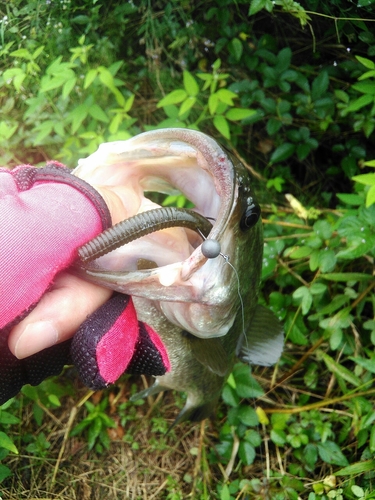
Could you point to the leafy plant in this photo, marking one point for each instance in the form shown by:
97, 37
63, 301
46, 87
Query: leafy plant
95, 424
218, 106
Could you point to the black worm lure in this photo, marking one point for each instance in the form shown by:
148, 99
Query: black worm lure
141, 224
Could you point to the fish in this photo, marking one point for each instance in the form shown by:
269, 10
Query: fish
203, 304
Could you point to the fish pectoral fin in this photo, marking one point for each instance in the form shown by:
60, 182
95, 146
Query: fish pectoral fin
264, 340
211, 354
194, 413
150, 391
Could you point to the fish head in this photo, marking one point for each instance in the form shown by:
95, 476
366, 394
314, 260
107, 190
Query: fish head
200, 295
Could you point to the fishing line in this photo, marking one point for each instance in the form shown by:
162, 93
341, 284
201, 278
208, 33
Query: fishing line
212, 249
226, 259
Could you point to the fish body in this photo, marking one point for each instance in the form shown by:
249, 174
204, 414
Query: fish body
205, 310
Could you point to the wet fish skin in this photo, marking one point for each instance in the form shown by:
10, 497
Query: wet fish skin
208, 314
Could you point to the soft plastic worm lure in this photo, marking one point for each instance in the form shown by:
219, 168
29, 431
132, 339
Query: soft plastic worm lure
141, 224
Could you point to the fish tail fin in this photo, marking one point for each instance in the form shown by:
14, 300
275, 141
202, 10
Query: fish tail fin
263, 342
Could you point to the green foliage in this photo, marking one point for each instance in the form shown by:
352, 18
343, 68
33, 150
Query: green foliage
70, 107
218, 106
299, 106
95, 425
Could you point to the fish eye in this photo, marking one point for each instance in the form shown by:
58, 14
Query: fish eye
251, 216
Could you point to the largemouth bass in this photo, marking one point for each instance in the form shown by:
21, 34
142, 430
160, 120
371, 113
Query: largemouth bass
205, 310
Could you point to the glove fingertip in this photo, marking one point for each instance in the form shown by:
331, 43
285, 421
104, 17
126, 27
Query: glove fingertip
104, 344
150, 357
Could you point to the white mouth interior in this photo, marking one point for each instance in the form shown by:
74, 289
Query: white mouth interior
133, 181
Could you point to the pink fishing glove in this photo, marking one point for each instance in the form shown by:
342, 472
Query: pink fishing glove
46, 214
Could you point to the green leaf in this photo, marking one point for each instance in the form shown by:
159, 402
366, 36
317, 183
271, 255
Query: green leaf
282, 152
6, 131
7, 443
93, 432
350, 199
347, 276
356, 249
300, 252
230, 396
246, 385
358, 103
356, 468
368, 179
246, 452
23, 53
278, 437
225, 493
358, 491
368, 74
187, 105
47, 83
367, 364
284, 58
98, 114
52, 398
319, 85
4, 472
90, 77
68, 87
44, 130
190, 84
326, 260
365, 87
273, 125
121, 101
7, 418
247, 415
37, 52
77, 116
372, 439
226, 96
340, 371
235, 48
236, 114
222, 126
129, 103
213, 102
106, 77
318, 288
343, 96
304, 297
280, 420
323, 229
257, 5
366, 62
173, 97
330, 453
370, 197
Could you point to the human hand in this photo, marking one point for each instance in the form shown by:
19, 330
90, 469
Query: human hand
66, 304
46, 214
40, 345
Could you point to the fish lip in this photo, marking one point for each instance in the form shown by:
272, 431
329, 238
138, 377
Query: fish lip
210, 156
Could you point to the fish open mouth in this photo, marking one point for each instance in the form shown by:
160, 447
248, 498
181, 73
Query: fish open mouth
197, 294
168, 162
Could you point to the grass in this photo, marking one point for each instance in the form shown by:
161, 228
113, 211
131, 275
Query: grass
142, 461
308, 435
